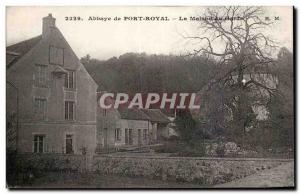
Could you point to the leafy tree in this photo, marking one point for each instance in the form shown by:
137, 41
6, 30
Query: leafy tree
186, 125
282, 103
243, 54
139, 72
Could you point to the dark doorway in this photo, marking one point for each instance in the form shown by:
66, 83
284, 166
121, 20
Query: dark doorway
69, 144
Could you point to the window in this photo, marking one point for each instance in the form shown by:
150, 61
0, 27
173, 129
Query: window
69, 144
56, 55
38, 143
40, 108
145, 134
117, 134
40, 76
69, 110
128, 137
70, 80
139, 136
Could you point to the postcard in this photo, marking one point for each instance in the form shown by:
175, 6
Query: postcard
122, 97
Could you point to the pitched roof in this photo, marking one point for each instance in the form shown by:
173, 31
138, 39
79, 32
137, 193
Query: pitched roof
17, 51
156, 115
133, 114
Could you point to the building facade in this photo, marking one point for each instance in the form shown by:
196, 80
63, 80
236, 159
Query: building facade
125, 128
160, 122
51, 98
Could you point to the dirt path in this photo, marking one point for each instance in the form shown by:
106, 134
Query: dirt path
280, 176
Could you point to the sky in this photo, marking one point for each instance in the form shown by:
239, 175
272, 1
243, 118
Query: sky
103, 40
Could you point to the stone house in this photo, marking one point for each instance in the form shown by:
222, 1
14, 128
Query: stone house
160, 122
51, 98
124, 127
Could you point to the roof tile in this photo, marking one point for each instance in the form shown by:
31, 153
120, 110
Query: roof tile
17, 51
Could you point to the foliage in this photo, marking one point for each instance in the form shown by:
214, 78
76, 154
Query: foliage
244, 67
186, 125
134, 72
281, 106
231, 68
220, 151
169, 147
191, 152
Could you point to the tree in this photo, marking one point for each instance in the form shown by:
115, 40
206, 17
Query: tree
234, 36
282, 102
185, 124
139, 72
86, 60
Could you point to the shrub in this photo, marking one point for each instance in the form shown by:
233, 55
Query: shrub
190, 152
220, 151
169, 147
174, 138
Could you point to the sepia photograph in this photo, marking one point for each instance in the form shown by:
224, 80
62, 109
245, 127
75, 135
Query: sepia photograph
150, 97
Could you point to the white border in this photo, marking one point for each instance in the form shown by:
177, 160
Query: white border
149, 2
4, 3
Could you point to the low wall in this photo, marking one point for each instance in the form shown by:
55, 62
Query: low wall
206, 171
53, 162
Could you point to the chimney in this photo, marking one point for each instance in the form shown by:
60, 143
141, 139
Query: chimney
48, 23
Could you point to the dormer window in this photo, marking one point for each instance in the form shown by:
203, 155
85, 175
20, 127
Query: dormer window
70, 80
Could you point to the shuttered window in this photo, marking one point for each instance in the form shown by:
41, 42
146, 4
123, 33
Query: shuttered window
56, 55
